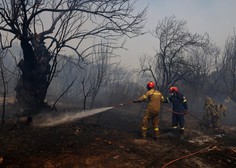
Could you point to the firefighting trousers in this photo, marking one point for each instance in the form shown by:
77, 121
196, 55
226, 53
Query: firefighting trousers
178, 120
150, 117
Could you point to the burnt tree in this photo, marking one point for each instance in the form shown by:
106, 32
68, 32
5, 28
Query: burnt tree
50, 29
170, 63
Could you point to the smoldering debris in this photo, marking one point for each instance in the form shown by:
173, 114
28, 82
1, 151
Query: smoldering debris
49, 120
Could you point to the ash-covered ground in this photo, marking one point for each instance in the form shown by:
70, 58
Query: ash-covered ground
111, 139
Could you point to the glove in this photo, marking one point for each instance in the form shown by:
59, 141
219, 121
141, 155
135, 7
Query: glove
136, 101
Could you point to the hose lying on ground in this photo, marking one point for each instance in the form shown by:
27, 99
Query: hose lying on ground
207, 149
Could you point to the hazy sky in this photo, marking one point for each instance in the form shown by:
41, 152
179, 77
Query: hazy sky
216, 17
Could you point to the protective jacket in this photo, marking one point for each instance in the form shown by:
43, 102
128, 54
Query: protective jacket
154, 99
179, 105
179, 102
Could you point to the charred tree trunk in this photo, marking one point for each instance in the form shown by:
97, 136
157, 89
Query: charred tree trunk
32, 86
4, 92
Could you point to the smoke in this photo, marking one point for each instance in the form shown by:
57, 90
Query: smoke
49, 120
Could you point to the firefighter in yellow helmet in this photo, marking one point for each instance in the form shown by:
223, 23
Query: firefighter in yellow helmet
154, 98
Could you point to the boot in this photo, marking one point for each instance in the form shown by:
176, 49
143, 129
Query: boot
175, 132
144, 133
181, 133
157, 133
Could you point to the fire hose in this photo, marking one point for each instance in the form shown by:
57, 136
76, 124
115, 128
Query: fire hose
123, 104
174, 112
166, 109
207, 149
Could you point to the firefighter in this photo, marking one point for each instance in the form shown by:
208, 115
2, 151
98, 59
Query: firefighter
223, 110
209, 109
179, 107
154, 98
216, 115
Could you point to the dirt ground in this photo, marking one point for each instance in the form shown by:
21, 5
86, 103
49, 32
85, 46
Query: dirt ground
112, 140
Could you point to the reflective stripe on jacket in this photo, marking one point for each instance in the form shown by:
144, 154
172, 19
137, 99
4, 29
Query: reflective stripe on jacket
154, 98
179, 102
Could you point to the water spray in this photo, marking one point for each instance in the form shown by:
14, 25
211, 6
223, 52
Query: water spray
47, 120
